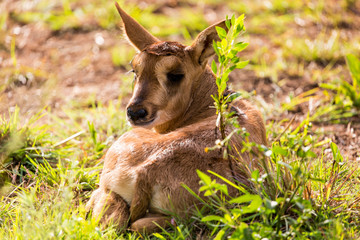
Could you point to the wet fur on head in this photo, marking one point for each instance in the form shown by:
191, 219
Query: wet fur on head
166, 49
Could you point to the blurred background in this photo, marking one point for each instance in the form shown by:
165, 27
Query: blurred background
71, 54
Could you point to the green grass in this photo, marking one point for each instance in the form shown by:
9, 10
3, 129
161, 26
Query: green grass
52, 168
348, 92
50, 162
77, 14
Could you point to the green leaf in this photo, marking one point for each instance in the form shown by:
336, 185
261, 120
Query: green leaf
212, 218
254, 205
310, 154
222, 86
239, 28
243, 190
223, 188
242, 64
228, 219
354, 67
279, 150
224, 44
225, 76
222, 59
228, 22
205, 178
244, 198
93, 132
255, 200
255, 174
214, 66
234, 58
216, 99
233, 20
232, 97
329, 86
240, 19
336, 153
203, 188
270, 204
349, 90
240, 46
220, 234
159, 236
221, 32
216, 48
208, 193
218, 82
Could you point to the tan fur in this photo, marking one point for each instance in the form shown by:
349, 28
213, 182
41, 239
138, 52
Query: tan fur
144, 169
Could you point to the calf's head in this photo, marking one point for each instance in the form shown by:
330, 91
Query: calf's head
166, 73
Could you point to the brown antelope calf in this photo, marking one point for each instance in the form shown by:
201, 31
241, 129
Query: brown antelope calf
173, 119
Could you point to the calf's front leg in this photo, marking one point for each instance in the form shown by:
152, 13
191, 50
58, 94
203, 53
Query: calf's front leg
151, 223
111, 207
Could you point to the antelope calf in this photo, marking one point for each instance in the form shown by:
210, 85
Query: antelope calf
173, 122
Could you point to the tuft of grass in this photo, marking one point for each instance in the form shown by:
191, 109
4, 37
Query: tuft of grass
274, 24
21, 143
50, 216
76, 14
323, 49
349, 91
345, 103
55, 164
300, 196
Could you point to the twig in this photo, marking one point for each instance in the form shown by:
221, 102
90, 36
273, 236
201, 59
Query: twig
289, 124
68, 139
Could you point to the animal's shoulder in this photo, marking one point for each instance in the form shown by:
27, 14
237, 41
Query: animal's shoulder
139, 144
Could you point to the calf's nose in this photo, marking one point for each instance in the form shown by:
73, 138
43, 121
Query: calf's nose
136, 114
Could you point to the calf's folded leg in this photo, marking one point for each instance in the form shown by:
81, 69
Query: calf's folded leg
111, 207
151, 223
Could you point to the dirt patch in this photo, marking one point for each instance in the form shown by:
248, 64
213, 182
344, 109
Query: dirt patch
75, 66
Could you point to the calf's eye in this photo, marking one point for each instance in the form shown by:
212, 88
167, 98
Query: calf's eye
175, 77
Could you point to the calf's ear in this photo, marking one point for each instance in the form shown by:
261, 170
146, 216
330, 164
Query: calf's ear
202, 47
138, 36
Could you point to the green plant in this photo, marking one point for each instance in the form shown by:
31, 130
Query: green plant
300, 197
346, 101
18, 144
49, 216
227, 50
352, 91
99, 146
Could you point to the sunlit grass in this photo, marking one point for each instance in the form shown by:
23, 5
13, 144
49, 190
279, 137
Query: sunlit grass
274, 24
323, 49
122, 55
99, 13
